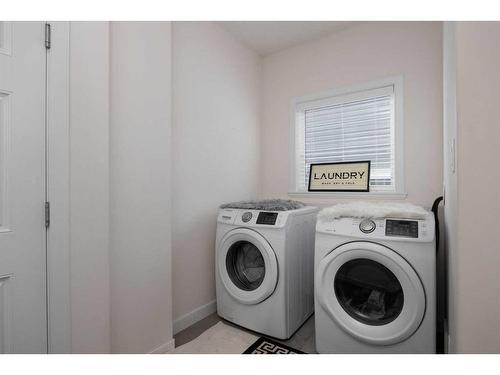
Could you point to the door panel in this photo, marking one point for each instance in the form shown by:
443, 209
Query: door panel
368, 291
247, 266
371, 292
5, 315
23, 320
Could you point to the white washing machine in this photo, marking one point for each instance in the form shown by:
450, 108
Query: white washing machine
264, 268
375, 286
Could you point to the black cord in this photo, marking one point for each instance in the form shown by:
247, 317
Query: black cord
440, 315
435, 207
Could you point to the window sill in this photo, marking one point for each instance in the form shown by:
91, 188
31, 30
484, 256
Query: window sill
348, 195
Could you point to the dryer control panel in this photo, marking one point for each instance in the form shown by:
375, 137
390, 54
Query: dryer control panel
394, 229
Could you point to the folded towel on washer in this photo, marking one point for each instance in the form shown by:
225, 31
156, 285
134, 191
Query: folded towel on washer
363, 209
266, 204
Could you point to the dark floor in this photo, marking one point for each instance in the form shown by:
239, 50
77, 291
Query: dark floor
302, 340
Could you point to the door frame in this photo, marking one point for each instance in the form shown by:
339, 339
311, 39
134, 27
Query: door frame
57, 190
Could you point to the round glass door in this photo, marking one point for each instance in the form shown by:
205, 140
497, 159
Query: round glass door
245, 265
368, 291
371, 292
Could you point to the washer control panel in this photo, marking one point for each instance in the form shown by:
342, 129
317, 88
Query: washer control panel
252, 218
249, 218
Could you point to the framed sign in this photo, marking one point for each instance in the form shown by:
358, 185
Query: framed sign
344, 176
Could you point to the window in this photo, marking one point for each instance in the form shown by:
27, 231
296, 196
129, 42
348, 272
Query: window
362, 123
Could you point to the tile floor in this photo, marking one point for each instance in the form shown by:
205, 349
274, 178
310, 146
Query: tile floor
302, 340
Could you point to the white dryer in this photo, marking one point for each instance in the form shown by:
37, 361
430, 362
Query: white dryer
264, 268
375, 286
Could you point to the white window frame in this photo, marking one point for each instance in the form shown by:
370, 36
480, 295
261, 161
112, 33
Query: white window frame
300, 104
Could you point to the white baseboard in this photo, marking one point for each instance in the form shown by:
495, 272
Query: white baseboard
164, 348
194, 316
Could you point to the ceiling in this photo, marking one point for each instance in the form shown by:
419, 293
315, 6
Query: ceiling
267, 37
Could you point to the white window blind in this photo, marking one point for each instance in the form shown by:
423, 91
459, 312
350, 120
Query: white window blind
353, 127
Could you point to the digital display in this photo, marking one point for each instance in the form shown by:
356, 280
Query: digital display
402, 228
267, 218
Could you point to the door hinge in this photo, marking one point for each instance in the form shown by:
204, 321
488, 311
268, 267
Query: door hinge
47, 36
47, 214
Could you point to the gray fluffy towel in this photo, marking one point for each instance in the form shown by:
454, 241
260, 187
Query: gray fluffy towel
266, 204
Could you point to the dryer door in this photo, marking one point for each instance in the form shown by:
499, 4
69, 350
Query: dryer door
371, 292
247, 266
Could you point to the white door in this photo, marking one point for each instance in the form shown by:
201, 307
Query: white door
23, 322
247, 266
371, 292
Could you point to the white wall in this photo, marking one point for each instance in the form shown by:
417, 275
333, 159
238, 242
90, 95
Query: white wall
359, 54
140, 187
216, 150
475, 255
89, 186
120, 157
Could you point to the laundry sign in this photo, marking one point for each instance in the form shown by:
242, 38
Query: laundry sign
345, 176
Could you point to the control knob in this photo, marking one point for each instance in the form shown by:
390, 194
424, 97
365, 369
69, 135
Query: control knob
246, 217
367, 226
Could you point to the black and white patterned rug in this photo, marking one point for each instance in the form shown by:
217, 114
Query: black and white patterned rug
265, 345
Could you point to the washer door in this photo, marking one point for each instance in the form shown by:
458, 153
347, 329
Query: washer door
247, 266
371, 292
